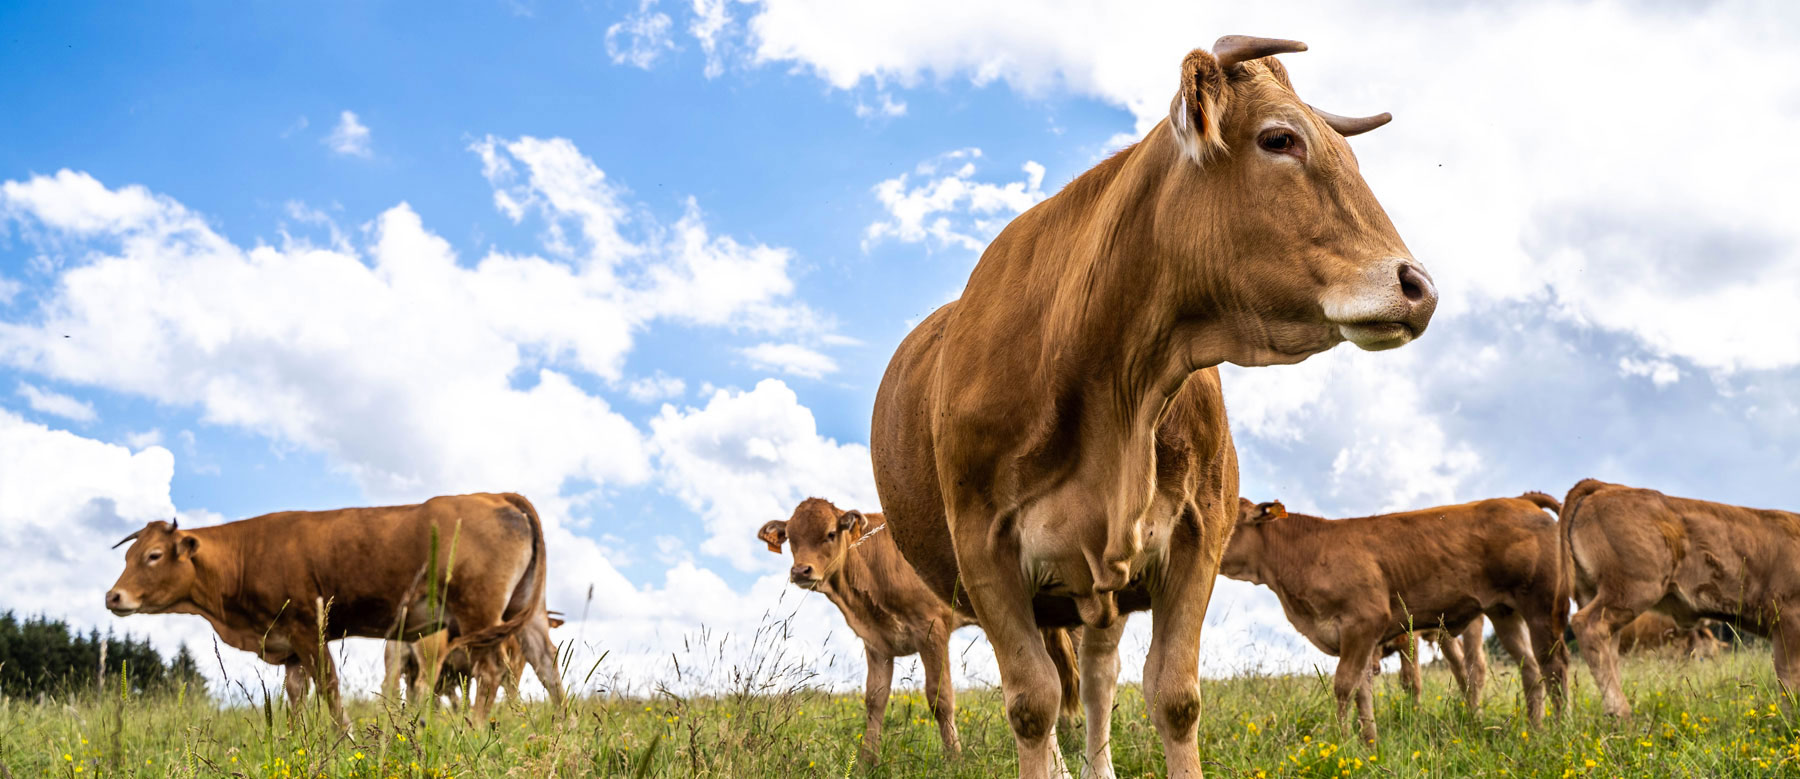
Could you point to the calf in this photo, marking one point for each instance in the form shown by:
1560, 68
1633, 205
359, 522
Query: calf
405, 661
850, 558
281, 584
1350, 585
1636, 550
1652, 631
1463, 653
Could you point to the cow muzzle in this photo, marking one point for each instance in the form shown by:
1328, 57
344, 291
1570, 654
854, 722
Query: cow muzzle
120, 604
1387, 307
803, 576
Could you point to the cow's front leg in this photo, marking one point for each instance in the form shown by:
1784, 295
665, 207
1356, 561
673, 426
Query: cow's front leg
1356, 651
1786, 649
877, 685
1410, 678
1511, 631
940, 689
1099, 660
996, 585
325, 676
298, 678
1171, 671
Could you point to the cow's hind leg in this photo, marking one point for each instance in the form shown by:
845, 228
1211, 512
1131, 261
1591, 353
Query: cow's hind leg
489, 674
1511, 631
940, 689
1410, 677
1475, 665
1546, 627
296, 681
1597, 627
1099, 660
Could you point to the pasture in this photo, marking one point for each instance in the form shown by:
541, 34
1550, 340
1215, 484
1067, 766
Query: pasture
1693, 718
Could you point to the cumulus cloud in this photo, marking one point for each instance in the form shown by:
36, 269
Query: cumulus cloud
639, 39
350, 137
792, 359
952, 209
57, 404
748, 457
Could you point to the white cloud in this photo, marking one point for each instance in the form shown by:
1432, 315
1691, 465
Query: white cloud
144, 439
55, 403
749, 457
888, 107
1660, 372
953, 209
9, 289
639, 39
711, 25
649, 389
350, 137
792, 359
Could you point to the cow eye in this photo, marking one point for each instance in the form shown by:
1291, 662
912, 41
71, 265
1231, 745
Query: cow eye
1280, 141
154, 556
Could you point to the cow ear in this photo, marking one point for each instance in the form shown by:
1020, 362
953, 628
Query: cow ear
852, 520
1198, 105
1268, 512
774, 534
186, 544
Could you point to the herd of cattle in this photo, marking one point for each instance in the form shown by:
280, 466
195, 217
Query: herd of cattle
1052, 453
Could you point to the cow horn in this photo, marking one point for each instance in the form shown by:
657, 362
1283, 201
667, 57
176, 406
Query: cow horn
174, 524
133, 536
1352, 125
1234, 50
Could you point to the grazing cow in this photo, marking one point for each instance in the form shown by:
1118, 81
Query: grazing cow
847, 556
279, 585
1652, 631
1463, 653
1636, 550
1349, 585
404, 661
1016, 433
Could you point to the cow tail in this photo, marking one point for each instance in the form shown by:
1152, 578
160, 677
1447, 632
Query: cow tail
1543, 501
1062, 653
534, 584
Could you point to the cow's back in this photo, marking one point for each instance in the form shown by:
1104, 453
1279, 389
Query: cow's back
906, 462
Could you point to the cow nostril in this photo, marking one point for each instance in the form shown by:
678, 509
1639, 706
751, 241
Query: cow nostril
1412, 283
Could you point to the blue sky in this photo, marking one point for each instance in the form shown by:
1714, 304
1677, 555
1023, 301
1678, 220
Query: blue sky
679, 242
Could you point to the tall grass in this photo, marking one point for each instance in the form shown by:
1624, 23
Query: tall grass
762, 718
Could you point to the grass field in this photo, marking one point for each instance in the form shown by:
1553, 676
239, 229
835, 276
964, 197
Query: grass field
1697, 718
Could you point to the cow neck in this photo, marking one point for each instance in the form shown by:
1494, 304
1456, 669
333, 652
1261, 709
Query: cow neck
1292, 550
856, 577
218, 569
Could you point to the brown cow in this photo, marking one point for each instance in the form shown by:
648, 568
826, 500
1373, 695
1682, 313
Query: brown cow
1463, 653
405, 661
1652, 631
1637, 550
848, 557
1016, 432
279, 584
1349, 585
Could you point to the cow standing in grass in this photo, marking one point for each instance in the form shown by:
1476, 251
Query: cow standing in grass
848, 557
281, 585
1637, 551
405, 662
1016, 432
1350, 585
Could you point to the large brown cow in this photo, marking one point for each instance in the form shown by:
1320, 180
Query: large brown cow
1349, 585
1016, 431
1463, 653
850, 558
279, 584
1637, 550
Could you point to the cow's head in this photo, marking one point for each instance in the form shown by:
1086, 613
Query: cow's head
159, 570
1298, 255
821, 538
1248, 543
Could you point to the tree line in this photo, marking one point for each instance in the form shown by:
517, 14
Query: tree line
41, 656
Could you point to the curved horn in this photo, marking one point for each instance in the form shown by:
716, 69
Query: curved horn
1352, 125
133, 536
1234, 50
174, 524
